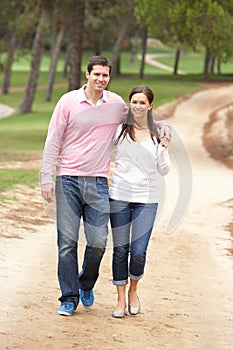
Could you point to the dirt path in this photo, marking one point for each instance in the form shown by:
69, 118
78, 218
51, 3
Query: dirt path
5, 111
186, 294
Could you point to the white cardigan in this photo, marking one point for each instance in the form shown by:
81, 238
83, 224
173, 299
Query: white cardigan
136, 168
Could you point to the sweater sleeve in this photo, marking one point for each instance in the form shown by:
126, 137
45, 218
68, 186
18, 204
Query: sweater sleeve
53, 142
164, 164
160, 123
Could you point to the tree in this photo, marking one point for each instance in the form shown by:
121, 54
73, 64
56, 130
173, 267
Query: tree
166, 20
117, 47
18, 18
96, 21
151, 15
37, 50
7, 36
76, 40
190, 23
55, 50
180, 33
212, 24
9, 62
144, 47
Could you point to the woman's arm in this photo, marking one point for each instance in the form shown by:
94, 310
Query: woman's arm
163, 164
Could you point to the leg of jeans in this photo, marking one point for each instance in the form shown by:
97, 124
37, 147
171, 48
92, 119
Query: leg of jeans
69, 209
142, 225
95, 219
68, 269
120, 217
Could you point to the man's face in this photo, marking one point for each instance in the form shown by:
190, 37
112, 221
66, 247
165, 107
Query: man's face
99, 78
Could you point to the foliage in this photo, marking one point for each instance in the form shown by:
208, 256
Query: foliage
190, 23
212, 24
20, 17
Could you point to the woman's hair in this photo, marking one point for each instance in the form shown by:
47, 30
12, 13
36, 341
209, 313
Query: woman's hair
129, 122
98, 61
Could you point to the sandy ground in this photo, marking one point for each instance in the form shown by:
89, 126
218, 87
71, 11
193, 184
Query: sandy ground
186, 293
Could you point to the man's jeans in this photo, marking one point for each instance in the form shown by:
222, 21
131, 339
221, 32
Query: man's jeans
132, 224
77, 197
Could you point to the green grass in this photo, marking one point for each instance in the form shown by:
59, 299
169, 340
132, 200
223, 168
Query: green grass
22, 136
11, 177
193, 63
166, 88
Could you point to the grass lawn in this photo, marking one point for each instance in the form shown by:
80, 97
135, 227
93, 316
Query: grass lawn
193, 63
22, 136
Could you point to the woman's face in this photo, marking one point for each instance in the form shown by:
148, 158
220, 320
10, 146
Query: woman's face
139, 105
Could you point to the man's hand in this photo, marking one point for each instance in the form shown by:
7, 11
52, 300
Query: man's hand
165, 133
48, 192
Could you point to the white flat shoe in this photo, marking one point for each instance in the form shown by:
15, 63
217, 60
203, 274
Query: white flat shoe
118, 314
134, 310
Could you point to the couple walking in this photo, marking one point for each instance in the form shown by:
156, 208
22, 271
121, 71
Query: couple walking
84, 127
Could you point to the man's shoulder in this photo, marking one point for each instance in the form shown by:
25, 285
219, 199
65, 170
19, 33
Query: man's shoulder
73, 95
110, 96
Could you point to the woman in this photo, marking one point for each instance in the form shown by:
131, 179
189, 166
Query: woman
134, 195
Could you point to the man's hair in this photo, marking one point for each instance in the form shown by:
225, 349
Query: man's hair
98, 61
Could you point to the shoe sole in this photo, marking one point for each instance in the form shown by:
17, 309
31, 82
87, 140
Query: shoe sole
118, 315
64, 313
87, 306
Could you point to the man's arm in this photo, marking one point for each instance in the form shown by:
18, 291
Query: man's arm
51, 150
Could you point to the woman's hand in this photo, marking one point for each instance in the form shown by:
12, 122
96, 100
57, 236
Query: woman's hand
165, 142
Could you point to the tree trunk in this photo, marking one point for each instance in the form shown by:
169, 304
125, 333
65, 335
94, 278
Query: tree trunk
219, 66
76, 40
206, 64
53, 64
98, 45
120, 37
177, 60
11, 50
144, 47
212, 63
66, 61
9, 62
133, 49
37, 50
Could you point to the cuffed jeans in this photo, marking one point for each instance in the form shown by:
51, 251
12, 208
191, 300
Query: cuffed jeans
132, 224
76, 197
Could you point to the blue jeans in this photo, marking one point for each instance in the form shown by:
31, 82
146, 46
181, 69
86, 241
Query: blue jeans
132, 224
76, 197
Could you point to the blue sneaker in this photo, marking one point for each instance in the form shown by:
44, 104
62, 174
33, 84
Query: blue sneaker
87, 297
66, 309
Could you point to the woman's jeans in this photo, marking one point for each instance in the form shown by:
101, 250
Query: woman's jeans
132, 224
76, 197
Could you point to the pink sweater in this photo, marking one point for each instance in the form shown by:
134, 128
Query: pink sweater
79, 140
80, 135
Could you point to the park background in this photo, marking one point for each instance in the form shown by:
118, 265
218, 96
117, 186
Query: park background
177, 48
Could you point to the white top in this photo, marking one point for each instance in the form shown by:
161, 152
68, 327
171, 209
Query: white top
137, 166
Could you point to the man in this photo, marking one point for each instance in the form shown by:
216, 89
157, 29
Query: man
78, 145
